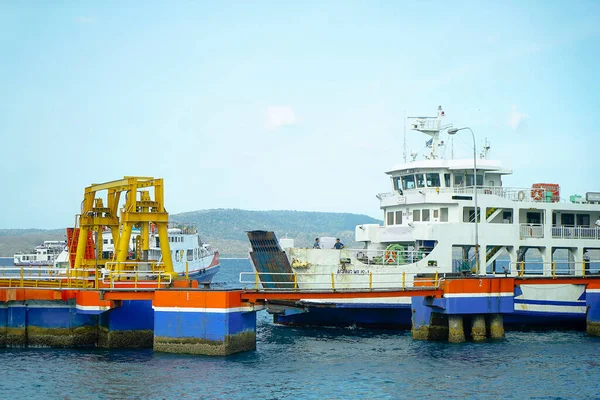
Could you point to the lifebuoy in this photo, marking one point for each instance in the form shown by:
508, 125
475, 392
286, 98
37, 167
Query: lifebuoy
521, 195
390, 257
537, 194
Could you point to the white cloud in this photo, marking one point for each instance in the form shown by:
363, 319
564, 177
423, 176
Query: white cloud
82, 19
515, 118
278, 116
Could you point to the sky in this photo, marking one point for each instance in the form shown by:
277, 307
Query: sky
285, 105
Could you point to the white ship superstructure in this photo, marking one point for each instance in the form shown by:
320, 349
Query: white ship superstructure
44, 255
430, 228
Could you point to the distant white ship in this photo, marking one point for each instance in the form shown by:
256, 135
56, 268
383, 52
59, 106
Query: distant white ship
44, 255
187, 247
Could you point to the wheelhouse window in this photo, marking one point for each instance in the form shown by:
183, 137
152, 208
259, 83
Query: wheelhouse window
433, 180
458, 180
408, 182
420, 180
398, 217
470, 180
390, 218
425, 215
397, 183
447, 180
416, 215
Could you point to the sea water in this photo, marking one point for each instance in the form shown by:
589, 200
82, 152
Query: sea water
316, 363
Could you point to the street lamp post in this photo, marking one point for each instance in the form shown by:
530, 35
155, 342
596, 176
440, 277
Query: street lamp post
452, 131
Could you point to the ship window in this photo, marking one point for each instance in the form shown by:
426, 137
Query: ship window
433, 180
507, 217
444, 214
583, 220
408, 182
458, 180
398, 217
112, 241
390, 218
436, 213
447, 180
567, 219
420, 180
534, 217
416, 215
105, 241
397, 183
425, 215
190, 255
470, 180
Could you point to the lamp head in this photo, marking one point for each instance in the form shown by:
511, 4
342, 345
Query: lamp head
452, 131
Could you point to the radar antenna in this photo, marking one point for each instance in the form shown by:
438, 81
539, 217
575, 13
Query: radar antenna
431, 126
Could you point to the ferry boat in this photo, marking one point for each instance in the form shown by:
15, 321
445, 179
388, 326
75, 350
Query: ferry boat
188, 251
430, 229
44, 255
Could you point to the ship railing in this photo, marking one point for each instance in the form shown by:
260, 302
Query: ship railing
556, 268
575, 232
46, 277
350, 280
140, 273
535, 231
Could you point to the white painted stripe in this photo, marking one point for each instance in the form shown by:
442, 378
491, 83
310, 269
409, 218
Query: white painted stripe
593, 290
550, 308
93, 308
493, 294
206, 310
375, 300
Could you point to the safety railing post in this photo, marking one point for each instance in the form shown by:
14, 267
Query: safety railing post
332, 282
403, 280
295, 281
256, 280
436, 283
371, 280
187, 272
554, 269
22, 272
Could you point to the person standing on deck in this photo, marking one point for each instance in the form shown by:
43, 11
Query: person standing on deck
338, 245
598, 223
317, 245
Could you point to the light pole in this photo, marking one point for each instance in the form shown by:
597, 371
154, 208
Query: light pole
452, 131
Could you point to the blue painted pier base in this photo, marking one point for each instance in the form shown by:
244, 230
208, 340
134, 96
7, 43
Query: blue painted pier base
203, 322
129, 325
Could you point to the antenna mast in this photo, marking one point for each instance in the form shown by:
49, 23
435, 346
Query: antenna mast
404, 137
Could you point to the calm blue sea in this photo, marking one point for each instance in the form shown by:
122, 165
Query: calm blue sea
311, 363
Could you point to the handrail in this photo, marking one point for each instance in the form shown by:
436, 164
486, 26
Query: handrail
297, 283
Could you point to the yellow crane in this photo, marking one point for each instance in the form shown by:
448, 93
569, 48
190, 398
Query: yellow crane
138, 210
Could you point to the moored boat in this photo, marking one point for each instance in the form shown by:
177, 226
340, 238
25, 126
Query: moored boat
43, 255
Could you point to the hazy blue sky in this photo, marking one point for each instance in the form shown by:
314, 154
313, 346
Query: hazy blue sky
285, 104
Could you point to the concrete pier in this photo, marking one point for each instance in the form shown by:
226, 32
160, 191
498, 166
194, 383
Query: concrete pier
203, 322
496, 326
130, 325
456, 330
592, 299
478, 328
427, 324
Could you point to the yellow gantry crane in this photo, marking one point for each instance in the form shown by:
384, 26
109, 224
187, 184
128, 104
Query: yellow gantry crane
139, 210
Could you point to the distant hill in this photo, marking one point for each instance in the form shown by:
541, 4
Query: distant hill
24, 240
224, 229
